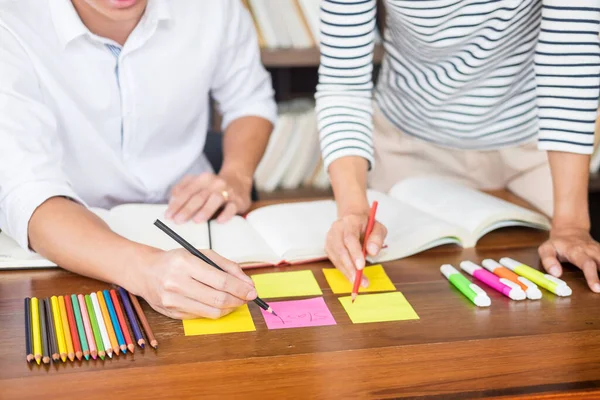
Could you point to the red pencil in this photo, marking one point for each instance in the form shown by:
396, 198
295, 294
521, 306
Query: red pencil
73, 328
359, 273
122, 323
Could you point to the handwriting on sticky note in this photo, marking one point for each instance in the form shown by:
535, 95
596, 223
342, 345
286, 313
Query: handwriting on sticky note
380, 307
239, 320
378, 280
299, 313
286, 284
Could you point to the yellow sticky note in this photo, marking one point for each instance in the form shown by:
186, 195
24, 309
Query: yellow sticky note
239, 320
378, 280
379, 307
286, 284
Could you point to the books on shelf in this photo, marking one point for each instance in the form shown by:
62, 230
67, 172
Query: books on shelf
419, 213
285, 24
293, 157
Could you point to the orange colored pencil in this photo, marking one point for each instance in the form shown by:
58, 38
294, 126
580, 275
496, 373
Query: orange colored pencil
122, 321
109, 327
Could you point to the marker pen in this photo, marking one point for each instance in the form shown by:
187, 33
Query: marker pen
548, 282
504, 286
470, 290
530, 288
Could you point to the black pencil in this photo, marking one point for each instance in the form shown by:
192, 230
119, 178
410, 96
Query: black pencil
52, 341
43, 319
186, 245
28, 334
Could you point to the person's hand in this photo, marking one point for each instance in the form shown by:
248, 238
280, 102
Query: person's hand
179, 285
344, 243
574, 245
198, 197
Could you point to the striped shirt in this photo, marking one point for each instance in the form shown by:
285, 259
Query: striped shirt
467, 74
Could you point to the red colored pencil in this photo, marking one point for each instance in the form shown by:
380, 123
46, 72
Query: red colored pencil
359, 273
122, 322
73, 327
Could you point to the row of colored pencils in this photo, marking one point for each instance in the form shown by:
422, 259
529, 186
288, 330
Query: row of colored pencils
83, 326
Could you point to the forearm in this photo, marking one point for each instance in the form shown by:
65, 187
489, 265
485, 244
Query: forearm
244, 144
78, 240
348, 177
570, 175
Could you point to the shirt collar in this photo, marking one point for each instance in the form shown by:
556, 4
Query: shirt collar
69, 26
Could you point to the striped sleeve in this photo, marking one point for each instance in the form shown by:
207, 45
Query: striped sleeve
345, 86
567, 66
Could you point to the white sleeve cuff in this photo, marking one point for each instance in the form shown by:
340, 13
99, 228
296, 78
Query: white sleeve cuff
266, 109
19, 205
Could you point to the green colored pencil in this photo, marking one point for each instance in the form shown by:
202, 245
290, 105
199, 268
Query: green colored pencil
80, 327
95, 328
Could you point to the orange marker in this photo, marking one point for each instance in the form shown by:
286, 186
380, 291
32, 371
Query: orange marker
530, 288
359, 273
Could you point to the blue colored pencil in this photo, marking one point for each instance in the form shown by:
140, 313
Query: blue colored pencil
115, 321
133, 322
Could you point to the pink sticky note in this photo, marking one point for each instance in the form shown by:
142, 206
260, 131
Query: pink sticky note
298, 314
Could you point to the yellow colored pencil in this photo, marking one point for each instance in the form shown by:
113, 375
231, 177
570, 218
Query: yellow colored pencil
109, 326
60, 333
65, 325
35, 327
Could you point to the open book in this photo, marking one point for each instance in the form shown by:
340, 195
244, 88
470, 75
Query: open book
420, 213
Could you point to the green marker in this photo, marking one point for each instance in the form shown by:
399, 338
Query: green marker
473, 292
95, 328
80, 329
548, 282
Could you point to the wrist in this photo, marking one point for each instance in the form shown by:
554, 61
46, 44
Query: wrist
238, 176
140, 259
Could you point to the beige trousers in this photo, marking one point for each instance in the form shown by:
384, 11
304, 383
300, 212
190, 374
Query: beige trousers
524, 170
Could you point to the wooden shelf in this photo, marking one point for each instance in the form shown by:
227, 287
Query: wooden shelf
287, 58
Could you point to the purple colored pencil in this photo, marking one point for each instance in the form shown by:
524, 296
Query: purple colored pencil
133, 322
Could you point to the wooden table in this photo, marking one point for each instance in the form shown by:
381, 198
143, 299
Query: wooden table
455, 351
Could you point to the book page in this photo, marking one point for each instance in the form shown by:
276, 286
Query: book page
136, 223
410, 230
295, 231
237, 241
468, 208
14, 256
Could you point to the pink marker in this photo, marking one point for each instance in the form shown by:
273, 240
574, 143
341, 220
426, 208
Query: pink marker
502, 285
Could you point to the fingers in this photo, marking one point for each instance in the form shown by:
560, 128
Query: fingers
343, 248
549, 258
228, 212
229, 266
191, 207
209, 208
578, 257
376, 240
353, 247
230, 281
183, 192
181, 307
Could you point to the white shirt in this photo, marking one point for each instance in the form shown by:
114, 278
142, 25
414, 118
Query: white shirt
69, 127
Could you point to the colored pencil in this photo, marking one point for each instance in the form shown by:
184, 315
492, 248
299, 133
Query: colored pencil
189, 247
73, 327
80, 326
359, 273
95, 327
112, 337
87, 323
36, 330
122, 321
64, 318
135, 327
44, 332
143, 320
115, 321
52, 341
60, 332
28, 334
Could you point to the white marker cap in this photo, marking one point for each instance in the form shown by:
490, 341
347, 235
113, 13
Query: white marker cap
482, 299
448, 270
490, 264
564, 291
516, 293
510, 263
469, 267
532, 292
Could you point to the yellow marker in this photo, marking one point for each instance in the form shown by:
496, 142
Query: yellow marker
35, 328
60, 333
239, 320
378, 280
65, 325
286, 284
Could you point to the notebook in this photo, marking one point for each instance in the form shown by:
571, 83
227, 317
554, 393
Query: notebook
420, 213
